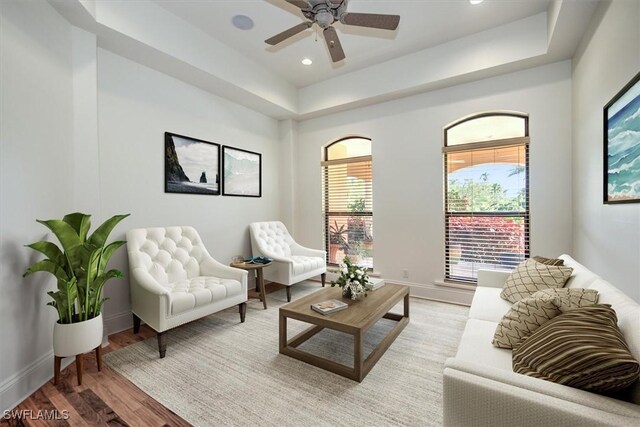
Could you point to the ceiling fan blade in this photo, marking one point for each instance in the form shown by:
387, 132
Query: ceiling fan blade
302, 4
333, 43
288, 33
371, 20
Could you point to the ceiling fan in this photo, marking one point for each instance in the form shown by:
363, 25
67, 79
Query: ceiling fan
325, 13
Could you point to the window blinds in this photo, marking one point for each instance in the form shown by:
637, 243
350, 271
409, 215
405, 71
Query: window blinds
348, 209
486, 207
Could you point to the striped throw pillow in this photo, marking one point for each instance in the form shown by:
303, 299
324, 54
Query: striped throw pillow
531, 276
570, 298
582, 348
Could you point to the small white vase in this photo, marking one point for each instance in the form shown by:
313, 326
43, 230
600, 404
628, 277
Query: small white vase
77, 338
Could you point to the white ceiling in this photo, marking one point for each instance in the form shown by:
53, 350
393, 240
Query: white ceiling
423, 24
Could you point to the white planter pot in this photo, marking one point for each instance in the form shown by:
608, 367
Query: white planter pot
77, 338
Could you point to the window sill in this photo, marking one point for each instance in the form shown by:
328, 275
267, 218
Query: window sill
332, 269
452, 284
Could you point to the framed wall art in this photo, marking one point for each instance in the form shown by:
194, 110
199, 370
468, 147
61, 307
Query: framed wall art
242, 172
622, 145
191, 166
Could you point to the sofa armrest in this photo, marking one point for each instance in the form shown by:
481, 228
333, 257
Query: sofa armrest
211, 267
143, 279
480, 395
492, 278
300, 250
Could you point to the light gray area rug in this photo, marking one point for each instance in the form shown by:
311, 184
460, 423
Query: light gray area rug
220, 372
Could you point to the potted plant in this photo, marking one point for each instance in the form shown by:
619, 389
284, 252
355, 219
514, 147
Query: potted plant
79, 267
353, 280
337, 240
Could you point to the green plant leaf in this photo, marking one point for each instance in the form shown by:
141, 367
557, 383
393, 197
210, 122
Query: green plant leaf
49, 249
64, 232
80, 223
48, 266
101, 234
108, 251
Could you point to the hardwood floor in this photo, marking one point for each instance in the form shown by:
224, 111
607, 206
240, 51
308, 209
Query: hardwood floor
104, 398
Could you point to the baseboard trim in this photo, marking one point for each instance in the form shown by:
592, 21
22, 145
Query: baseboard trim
21, 385
447, 294
118, 322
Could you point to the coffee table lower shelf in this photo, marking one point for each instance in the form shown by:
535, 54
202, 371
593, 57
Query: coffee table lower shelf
361, 366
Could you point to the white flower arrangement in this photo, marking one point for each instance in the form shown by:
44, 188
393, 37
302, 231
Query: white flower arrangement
353, 280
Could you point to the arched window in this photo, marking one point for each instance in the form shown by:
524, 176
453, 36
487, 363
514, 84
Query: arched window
486, 195
348, 201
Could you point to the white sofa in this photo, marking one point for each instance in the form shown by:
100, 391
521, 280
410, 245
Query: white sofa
481, 389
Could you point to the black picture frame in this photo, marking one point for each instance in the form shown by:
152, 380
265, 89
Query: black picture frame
621, 145
239, 162
177, 171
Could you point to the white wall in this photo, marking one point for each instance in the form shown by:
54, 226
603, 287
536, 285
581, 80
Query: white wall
136, 105
36, 162
408, 168
606, 237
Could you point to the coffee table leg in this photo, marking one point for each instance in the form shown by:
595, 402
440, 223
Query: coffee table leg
406, 305
260, 281
283, 332
357, 355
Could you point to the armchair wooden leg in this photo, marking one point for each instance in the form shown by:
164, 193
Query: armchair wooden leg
323, 277
288, 293
162, 343
242, 308
79, 368
136, 324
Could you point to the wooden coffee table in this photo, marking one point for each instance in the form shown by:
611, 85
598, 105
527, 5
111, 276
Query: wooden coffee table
355, 320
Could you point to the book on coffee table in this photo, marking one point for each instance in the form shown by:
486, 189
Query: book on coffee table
328, 307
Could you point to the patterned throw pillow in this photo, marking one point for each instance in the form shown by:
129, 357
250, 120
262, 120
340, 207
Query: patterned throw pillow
549, 261
581, 348
524, 318
569, 299
531, 276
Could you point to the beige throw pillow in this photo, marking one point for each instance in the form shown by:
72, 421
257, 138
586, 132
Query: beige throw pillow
531, 276
568, 299
581, 348
524, 318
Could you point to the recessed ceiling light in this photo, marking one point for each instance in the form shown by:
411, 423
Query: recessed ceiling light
306, 61
242, 22
475, 1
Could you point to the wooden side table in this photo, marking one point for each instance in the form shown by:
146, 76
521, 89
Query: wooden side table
259, 277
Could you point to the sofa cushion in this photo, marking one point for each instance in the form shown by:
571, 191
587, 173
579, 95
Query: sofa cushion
524, 318
475, 345
569, 299
188, 294
487, 304
581, 277
531, 276
548, 261
305, 264
581, 348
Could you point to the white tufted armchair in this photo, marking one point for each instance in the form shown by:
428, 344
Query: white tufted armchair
292, 263
174, 280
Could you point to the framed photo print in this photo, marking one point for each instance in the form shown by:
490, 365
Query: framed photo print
191, 166
622, 145
242, 172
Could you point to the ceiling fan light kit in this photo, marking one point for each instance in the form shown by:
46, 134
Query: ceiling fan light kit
325, 13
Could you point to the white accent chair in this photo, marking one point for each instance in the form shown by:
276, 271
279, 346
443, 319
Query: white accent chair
292, 263
174, 280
